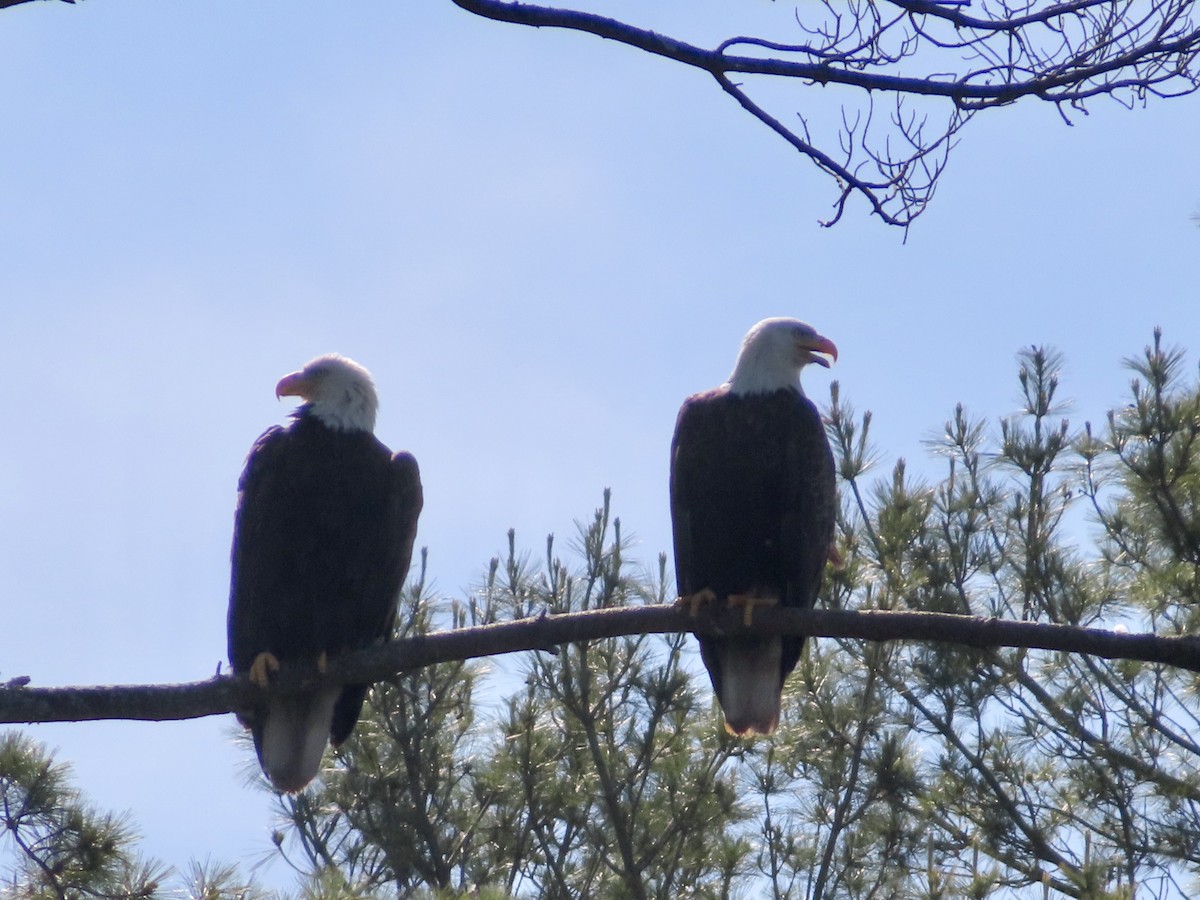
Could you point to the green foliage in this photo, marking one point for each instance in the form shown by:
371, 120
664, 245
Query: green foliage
1152, 452
62, 847
397, 811
1012, 769
600, 776
622, 790
210, 880
898, 771
918, 771
56, 846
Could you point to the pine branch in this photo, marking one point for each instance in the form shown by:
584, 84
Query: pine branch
223, 693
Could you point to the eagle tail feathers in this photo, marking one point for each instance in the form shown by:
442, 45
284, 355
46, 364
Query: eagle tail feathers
751, 684
292, 736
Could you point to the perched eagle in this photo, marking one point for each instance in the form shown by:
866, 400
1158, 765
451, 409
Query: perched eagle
322, 539
752, 505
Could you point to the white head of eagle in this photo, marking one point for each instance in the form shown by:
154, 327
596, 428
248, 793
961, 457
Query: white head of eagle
773, 353
336, 390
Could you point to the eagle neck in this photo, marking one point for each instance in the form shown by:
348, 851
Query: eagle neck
352, 413
763, 370
761, 387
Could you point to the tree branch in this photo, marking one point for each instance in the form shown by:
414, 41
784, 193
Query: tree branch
223, 693
1060, 52
934, 62
4, 4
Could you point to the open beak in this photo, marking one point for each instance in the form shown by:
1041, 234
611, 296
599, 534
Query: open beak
818, 344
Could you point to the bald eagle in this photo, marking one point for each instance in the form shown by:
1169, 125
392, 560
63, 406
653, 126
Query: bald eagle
752, 506
322, 540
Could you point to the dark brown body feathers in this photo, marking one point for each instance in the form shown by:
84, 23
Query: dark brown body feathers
753, 503
323, 538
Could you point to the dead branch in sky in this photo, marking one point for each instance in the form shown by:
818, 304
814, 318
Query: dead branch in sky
900, 79
934, 64
223, 694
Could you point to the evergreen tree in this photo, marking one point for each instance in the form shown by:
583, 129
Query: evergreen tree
57, 846
63, 847
601, 776
899, 770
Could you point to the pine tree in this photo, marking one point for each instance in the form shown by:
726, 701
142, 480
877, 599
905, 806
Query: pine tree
600, 777
62, 846
59, 847
899, 770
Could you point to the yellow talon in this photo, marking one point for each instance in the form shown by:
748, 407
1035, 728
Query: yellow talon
263, 667
693, 602
748, 602
322, 662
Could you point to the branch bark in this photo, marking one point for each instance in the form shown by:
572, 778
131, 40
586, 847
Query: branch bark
962, 90
225, 693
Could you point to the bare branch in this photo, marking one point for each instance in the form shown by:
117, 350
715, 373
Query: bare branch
4, 4
938, 61
955, 63
223, 694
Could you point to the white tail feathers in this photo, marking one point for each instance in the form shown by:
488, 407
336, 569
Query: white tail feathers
751, 685
295, 731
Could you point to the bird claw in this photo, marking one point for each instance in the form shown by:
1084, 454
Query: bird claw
322, 662
264, 666
693, 602
748, 602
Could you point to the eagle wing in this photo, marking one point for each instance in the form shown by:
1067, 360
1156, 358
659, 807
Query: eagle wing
376, 617
809, 514
259, 493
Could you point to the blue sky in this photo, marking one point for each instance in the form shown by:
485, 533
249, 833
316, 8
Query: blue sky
539, 243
